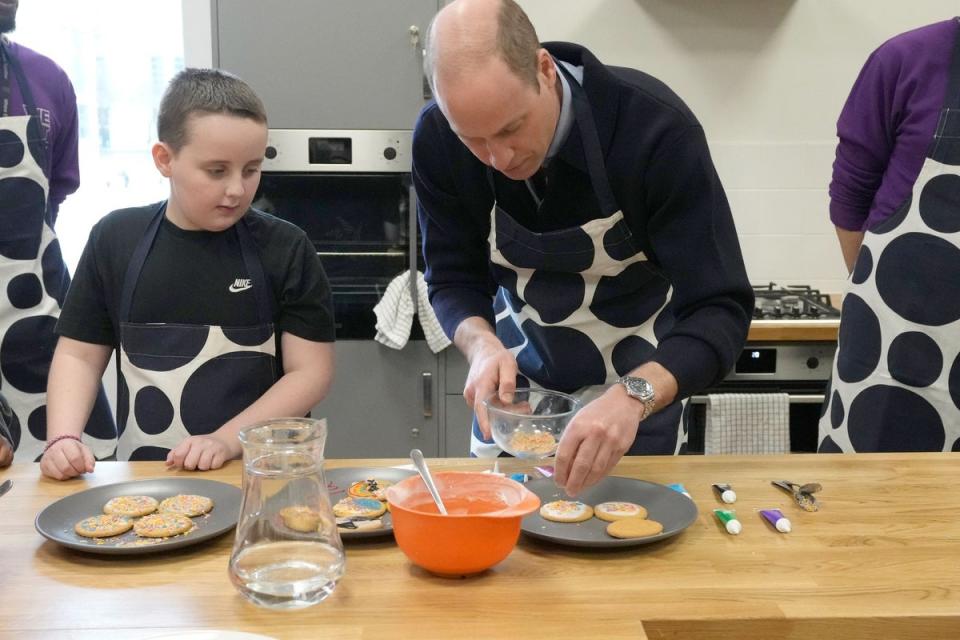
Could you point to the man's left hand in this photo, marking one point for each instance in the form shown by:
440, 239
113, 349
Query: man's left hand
596, 439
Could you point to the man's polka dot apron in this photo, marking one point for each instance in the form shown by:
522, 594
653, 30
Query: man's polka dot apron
896, 376
580, 307
34, 279
181, 380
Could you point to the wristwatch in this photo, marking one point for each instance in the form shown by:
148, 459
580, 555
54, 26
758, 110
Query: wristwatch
642, 390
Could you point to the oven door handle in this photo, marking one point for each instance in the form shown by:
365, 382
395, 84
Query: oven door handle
798, 398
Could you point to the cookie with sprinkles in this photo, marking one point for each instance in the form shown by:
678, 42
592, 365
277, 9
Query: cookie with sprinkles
188, 505
103, 526
133, 506
370, 488
612, 511
566, 511
162, 525
359, 508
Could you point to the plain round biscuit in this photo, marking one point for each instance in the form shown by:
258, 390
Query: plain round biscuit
602, 511
545, 512
634, 528
359, 507
103, 526
187, 505
162, 525
300, 518
132, 506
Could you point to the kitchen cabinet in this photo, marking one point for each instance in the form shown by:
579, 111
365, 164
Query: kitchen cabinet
328, 65
457, 416
383, 402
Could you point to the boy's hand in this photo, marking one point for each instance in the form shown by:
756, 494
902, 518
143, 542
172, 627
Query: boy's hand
67, 459
200, 453
6, 452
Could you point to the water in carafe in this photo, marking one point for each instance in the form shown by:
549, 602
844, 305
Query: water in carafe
287, 553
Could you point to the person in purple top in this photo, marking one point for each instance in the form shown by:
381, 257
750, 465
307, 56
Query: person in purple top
38, 169
895, 200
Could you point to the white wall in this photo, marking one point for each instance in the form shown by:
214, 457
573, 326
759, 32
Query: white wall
767, 78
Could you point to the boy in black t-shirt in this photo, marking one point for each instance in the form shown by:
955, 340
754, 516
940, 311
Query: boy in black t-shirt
220, 314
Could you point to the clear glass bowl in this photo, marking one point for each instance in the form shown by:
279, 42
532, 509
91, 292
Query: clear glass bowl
531, 425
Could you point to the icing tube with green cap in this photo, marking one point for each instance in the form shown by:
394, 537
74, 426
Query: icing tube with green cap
729, 519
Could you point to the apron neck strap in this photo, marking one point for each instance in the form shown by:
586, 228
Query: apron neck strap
590, 139
9, 62
945, 145
265, 304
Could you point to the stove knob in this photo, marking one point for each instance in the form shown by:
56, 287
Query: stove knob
795, 312
270, 153
757, 312
777, 312
389, 153
814, 312
813, 363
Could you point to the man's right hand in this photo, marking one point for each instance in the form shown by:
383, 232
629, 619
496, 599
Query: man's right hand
492, 369
66, 459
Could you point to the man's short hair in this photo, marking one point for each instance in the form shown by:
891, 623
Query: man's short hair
516, 43
204, 91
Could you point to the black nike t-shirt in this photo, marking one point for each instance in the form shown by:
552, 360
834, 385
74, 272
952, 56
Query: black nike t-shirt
196, 277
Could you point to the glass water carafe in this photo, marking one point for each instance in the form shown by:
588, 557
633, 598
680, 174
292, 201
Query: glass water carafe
287, 553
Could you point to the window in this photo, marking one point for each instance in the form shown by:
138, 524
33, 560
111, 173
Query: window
119, 56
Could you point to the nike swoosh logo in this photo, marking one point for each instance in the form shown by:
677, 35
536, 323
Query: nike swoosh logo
235, 289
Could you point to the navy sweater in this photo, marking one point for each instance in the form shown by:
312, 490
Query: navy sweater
663, 178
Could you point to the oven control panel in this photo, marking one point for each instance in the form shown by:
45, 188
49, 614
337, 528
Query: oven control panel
340, 151
794, 361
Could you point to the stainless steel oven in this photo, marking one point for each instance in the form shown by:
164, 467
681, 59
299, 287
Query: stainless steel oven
351, 192
800, 369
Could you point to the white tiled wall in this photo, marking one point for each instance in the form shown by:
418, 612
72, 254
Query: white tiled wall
767, 78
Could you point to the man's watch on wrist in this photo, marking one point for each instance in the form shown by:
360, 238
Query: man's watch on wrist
642, 390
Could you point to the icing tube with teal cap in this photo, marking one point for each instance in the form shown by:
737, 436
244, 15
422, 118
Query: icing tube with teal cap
729, 519
679, 488
775, 517
725, 492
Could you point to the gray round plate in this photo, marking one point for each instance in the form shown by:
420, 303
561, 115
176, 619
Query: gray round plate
673, 510
56, 521
339, 480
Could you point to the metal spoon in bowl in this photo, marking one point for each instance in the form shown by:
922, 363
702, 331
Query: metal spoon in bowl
417, 456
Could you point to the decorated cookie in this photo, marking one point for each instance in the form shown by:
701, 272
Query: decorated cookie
566, 511
611, 511
359, 508
187, 505
370, 488
162, 525
300, 518
103, 526
634, 528
359, 524
133, 506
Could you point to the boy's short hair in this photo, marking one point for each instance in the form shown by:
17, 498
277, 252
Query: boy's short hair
204, 91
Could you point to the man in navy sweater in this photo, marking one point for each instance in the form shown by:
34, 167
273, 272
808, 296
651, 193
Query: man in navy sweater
576, 236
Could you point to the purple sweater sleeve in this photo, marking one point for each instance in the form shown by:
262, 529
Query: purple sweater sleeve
887, 124
57, 102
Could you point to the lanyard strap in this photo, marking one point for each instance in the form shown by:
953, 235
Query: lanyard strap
9, 62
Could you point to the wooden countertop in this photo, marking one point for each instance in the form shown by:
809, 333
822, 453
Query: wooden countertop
880, 560
794, 330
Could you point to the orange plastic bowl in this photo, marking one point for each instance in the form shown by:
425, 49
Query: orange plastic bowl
481, 526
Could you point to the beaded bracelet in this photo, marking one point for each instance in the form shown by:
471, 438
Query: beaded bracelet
59, 438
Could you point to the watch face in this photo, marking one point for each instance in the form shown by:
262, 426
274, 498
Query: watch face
639, 388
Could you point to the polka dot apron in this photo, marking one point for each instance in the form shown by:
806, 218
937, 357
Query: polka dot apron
579, 307
33, 276
896, 375
181, 380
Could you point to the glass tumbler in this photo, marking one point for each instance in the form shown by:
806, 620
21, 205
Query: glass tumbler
287, 553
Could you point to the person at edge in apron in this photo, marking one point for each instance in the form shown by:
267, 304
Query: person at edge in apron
220, 314
895, 200
38, 169
575, 234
